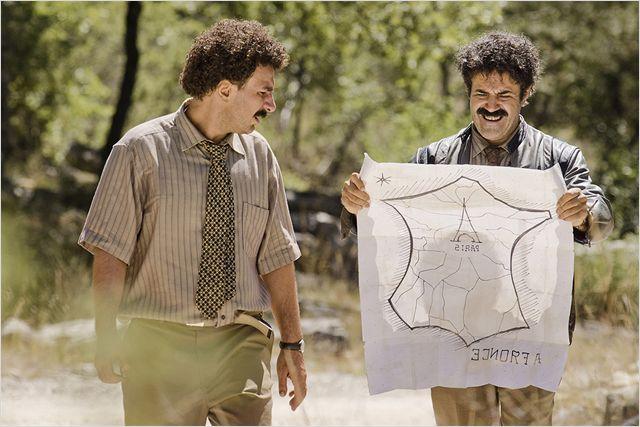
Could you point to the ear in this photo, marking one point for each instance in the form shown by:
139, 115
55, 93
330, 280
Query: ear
226, 90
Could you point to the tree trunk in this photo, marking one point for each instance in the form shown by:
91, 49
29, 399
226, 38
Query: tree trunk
134, 9
336, 164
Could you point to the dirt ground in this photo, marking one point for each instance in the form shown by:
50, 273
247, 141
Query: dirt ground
601, 360
78, 398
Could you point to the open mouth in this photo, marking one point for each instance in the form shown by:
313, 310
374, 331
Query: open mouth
491, 118
260, 115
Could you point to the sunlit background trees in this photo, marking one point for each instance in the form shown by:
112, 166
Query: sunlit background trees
364, 77
374, 77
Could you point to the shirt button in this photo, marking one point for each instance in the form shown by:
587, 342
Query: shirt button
223, 317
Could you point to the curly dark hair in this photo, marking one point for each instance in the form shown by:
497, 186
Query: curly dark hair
229, 50
503, 52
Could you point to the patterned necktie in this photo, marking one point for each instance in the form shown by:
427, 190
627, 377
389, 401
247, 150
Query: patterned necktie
494, 155
217, 273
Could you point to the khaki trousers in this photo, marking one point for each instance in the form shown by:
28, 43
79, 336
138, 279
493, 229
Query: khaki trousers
182, 375
491, 405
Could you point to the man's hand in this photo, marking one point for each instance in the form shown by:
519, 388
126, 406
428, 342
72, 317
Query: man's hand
354, 196
291, 365
281, 284
108, 361
108, 285
572, 207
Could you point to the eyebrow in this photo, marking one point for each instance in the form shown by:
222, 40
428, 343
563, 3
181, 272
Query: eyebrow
502, 92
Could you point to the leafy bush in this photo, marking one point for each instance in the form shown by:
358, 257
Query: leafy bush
45, 275
607, 282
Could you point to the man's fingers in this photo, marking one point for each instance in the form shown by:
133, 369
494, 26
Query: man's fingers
106, 374
295, 401
355, 179
299, 379
353, 199
350, 207
298, 375
572, 208
356, 197
349, 187
580, 210
282, 381
576, 220
293, 404
299, 393
570, 194
124, 369
577, 203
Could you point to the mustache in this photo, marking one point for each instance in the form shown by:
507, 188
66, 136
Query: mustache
497, 113
262, 113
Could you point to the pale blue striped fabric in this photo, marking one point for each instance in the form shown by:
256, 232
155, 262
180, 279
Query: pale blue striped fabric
148, 210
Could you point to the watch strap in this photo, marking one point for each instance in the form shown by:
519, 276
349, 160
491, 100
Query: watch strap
297, 346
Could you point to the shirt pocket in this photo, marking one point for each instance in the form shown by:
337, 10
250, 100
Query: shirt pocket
254, 221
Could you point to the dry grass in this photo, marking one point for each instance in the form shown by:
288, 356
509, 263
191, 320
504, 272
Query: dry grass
602, 360
52, 284
606, 282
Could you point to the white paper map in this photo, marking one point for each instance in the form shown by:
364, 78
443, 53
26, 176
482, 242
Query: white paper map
465, 276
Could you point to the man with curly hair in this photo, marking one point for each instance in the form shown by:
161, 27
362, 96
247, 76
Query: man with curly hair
192, 241
500, 71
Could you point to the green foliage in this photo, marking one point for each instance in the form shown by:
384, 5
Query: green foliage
375, 77
371, 76
29, 93
590, 86
87, 75
58, 60
166, 32
606, 282
44, 277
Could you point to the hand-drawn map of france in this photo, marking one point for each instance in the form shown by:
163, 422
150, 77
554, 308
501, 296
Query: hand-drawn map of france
465, 276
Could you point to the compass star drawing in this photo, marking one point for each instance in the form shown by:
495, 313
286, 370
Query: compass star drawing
383, 179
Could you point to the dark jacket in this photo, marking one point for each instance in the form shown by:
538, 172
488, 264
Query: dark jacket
532, 149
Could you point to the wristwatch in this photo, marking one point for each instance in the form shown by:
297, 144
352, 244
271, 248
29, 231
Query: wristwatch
296, 346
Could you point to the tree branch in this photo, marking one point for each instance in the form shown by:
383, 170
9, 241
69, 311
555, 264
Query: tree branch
134, 9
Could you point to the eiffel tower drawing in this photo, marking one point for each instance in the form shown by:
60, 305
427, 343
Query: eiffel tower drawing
466, 233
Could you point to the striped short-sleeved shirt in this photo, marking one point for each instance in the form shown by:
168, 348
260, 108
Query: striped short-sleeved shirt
148, 211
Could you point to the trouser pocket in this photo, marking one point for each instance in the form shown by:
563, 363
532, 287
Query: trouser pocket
255, 321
